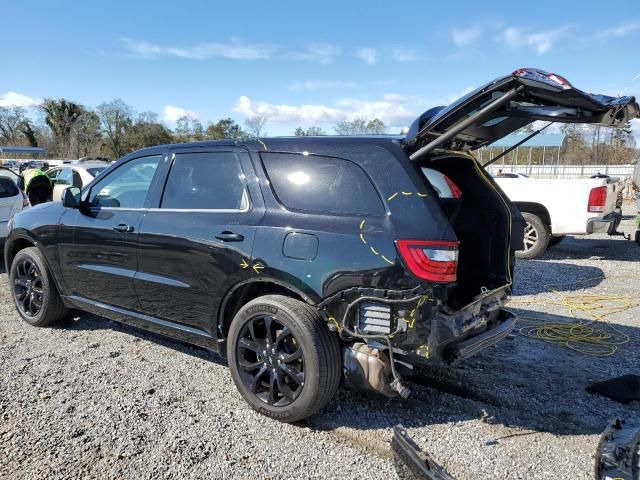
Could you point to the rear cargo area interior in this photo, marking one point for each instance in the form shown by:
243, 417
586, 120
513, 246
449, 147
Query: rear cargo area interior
481, 223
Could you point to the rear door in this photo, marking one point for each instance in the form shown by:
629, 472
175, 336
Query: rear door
509, 103
197, 241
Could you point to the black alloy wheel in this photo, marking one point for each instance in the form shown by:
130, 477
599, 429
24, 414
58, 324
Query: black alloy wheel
33, 290
28, 288
271, 361
283, 358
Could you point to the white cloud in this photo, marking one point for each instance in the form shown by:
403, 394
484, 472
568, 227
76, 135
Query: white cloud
368, 55
321, 85
466, 36
541, 42
393, 109
620, 30
316, 52
172, 113
14, 99
403, 54
235, 49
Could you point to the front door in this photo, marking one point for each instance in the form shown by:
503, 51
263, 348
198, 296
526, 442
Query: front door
98, 243
198, 241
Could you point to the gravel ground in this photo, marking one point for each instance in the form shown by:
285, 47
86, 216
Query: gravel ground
94, 399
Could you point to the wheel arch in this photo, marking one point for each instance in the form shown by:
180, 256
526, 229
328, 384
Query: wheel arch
536, 209
19, 241
243, 292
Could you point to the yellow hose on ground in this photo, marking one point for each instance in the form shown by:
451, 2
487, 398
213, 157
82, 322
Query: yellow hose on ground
580, 335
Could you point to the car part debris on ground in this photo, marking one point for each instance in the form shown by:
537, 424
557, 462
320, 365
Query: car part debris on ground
618, 455
411, 462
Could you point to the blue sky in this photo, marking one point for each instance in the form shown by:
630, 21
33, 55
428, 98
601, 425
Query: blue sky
306, 63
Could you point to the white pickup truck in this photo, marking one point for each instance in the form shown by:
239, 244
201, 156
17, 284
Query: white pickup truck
553, 208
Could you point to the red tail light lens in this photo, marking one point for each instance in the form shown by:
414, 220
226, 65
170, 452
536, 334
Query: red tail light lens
430, 260
597, 199
455, 191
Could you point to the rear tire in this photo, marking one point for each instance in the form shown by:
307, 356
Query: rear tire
283, 359
33, 291
536, 237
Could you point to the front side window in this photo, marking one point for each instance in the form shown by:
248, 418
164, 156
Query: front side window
321, 184
65, 177
127, 186
205, 181
53, 175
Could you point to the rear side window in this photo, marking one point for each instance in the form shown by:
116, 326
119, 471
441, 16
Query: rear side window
8, 188
206, 181
321, 184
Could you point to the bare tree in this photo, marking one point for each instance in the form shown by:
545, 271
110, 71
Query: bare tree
360, 126
116, 118
255, 126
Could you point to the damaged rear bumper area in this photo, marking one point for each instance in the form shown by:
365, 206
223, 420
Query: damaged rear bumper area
386, 333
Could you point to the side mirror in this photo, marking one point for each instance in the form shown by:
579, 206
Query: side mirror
71, 197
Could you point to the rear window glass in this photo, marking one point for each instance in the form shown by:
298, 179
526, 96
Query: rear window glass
321, 184
8, 188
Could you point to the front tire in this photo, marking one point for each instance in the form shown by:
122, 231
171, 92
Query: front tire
283, 359
34, 294
536, 237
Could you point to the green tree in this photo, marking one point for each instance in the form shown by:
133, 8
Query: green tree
115, 118
147, 132
312, 131
225, 128
61, 116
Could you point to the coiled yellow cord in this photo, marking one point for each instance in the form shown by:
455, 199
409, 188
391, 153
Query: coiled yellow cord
580, 335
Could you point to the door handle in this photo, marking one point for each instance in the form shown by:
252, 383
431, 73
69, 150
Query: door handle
227, 236
124, 228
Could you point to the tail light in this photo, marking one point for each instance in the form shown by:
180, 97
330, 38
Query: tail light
455, 191
25, 200
430, 260
544, 77
597, 199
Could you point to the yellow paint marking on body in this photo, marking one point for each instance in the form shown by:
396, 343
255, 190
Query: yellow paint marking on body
374, 251
257, 267
392, 197
244, 263
362, 238
387, 260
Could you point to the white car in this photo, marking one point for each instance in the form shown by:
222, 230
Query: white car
73, 175
12, 199
554, 208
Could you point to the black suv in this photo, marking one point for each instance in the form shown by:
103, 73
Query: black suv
303, 260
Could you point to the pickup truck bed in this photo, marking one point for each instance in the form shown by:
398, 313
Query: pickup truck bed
554, 208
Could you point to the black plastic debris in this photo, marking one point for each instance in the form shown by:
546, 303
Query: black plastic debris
412, 463
623, 389
618, 451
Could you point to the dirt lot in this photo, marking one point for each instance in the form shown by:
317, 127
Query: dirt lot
93, 399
